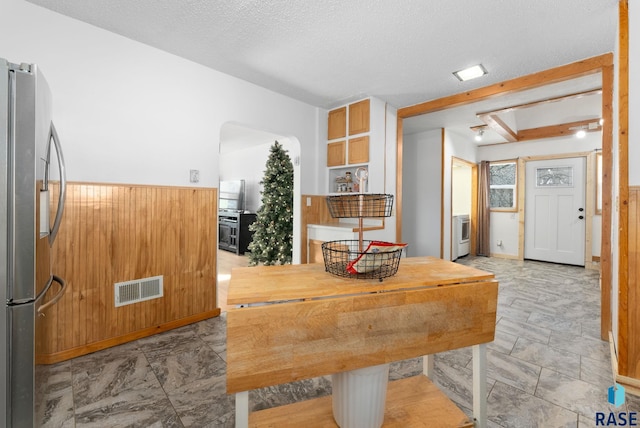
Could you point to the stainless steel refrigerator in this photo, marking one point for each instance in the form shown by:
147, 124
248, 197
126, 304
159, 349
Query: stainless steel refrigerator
29, 222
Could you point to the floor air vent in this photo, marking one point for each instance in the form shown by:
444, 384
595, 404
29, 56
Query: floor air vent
138, 290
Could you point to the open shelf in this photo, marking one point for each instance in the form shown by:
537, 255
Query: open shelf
411, 402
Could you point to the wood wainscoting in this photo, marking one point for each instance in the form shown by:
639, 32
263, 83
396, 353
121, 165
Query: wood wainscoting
629, 296
113, 233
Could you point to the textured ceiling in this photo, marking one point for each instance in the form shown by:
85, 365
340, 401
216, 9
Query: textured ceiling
330, 52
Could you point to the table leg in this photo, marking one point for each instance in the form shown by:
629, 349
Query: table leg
480, 385
427, 365
242, 409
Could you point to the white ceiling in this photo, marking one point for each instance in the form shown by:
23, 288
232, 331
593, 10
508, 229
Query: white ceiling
330, 52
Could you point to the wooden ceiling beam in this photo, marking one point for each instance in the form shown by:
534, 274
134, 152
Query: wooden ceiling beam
498, 125
535, 80
543, 102
561, 130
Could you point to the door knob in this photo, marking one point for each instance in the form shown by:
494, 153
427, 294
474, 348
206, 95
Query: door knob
581, 217
580, 209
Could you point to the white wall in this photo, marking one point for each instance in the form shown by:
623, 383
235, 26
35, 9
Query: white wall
421, 190
461, 189
129, 113
505, 225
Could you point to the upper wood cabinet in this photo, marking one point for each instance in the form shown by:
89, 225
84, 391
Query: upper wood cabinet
359, 150
359, 117
336, 153
337, 124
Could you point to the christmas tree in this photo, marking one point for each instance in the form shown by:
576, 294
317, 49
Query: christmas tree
272, 242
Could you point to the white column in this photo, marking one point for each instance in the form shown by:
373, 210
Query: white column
480, 385
242, 409
427, 366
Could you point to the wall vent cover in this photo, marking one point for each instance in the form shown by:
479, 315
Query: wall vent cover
138, 290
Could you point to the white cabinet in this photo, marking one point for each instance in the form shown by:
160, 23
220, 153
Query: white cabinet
361, 145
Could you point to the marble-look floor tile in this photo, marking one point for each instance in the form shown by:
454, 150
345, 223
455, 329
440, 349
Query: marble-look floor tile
213, 331
469, 413
93, 382
541, 355
587, 422
632, 404
142, 407
573, 394
589, 347
456, 357
54, 388
457, 383
119, 389
596, 372
522, 329
511, 407
591, 328
512, 371
533, 305
204, 403
503, 342
515, 314
405, 368
555, 323
279, 395
185, 364
161, 344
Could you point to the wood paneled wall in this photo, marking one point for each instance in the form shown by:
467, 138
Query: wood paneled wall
113, 233
629, 305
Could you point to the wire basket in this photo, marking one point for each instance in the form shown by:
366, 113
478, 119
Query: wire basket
360, 205
343, 258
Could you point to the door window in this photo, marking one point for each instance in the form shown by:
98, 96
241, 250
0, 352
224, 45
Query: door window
558, 176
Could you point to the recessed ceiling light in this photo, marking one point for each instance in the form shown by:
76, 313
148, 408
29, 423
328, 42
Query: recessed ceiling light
581, 133
470, 73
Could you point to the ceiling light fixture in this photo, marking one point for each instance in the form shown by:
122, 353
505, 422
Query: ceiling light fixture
479, 135
581, 133
470, 73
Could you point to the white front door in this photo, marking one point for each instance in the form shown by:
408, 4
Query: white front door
555, 212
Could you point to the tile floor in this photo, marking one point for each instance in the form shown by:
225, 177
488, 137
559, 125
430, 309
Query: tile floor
546, 368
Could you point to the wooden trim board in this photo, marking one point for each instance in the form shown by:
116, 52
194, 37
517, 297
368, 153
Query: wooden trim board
628, 343
108, 343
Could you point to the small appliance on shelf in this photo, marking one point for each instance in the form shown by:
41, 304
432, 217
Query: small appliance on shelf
350, 258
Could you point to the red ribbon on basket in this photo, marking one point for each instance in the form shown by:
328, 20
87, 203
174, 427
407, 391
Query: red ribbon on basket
372, 258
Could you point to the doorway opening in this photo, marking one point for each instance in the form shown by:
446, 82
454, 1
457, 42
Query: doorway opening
600, 67
243, 153
464, 197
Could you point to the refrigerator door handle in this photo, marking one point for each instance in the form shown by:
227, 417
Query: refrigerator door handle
53, 136
58, 296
